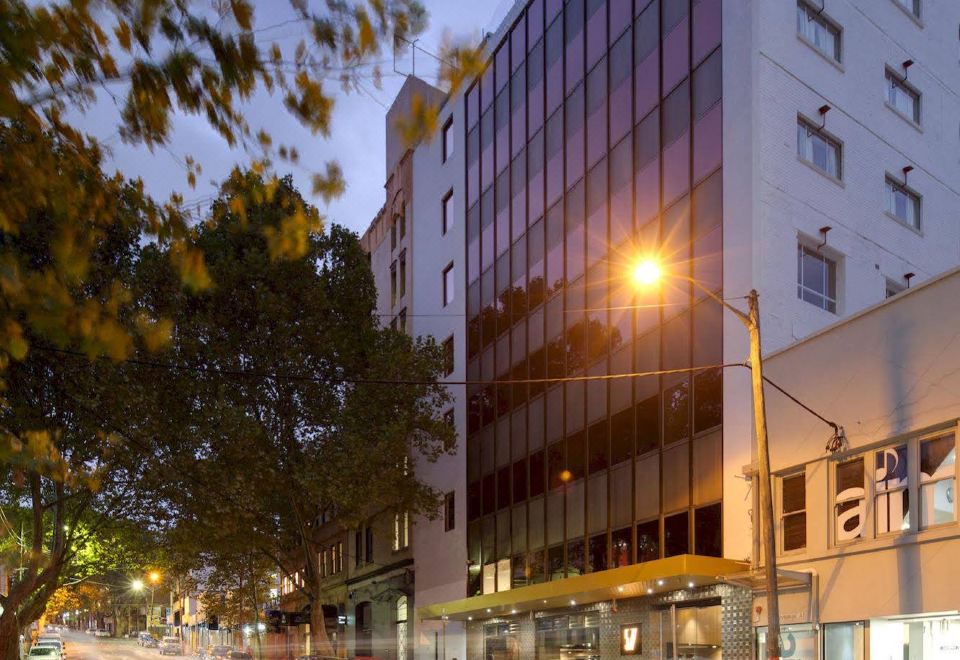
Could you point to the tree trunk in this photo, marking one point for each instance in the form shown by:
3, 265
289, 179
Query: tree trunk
318, 631
9, 636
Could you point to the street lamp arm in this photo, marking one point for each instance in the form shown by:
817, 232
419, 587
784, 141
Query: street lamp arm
744, 318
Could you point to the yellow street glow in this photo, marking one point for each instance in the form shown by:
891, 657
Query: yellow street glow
137, 585
647, 272
154, 576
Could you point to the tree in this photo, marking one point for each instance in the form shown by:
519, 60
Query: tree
301, 403
62, 455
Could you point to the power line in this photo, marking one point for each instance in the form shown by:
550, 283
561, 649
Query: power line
245, 373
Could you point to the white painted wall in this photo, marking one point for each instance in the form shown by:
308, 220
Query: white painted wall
440, 557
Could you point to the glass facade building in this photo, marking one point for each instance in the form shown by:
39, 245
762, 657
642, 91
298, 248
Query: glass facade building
593, 137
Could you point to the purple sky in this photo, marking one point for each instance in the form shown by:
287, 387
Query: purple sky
357, 140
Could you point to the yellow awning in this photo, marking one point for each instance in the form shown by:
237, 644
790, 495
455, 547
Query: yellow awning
680, 572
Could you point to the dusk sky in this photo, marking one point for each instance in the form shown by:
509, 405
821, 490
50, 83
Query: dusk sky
357, 140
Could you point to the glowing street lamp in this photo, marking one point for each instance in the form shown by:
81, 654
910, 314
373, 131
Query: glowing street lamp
649, 271
137, 585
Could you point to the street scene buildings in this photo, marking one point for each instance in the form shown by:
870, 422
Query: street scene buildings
606, 232
749, 145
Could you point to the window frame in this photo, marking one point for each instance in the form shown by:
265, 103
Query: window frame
863, 498
446, 214
783, 514
816, 15
446, 136
915, 10
921, 482
829, 139
890, 188
895, 81
449, 357
803, 249
402, 275
877, 493
450, 511
449, 288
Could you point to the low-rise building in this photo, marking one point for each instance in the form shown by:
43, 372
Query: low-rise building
867, 532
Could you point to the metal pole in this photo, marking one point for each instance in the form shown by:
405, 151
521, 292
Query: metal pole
766, 498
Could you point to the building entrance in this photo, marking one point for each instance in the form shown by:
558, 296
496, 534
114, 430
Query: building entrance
691, 631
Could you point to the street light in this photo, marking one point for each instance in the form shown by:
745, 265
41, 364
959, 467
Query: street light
138, 585
649, 271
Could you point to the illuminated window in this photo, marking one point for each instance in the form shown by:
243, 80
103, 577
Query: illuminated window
850, 507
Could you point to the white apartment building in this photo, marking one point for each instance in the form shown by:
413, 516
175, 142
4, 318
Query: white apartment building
827, 135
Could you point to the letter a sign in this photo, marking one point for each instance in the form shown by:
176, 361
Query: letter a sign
630, 639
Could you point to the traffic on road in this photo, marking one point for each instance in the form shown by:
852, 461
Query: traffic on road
61, 643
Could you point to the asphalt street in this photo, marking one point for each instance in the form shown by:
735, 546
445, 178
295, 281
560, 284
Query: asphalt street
86, 647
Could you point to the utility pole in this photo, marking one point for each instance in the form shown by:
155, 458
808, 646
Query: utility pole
752, 322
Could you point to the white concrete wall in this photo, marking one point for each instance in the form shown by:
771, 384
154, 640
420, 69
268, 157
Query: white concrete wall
793, 198
440, 557
771, 198
887, 375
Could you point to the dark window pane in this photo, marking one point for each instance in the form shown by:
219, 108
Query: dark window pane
646, 31
646, 141
555, 464
534, 21
676, 412
599, 453
596, 106
648, 541
707, 399
575, 454
676, 534
536, 568
620, 548
575, 121
598, 553
473, 501
794, 493
706, 27
473, 106
503, 487
850, 474
555, 563
575, 558
676, 114
518, 571
795, 531
573, 15
707, 524
502, 59
489, 494
672, 12
553, 9
520, 480
621, 436
535, 98
648, 424
707, 80
596, 30
486, 88
537, 467
518, 43
708, 205
554, 65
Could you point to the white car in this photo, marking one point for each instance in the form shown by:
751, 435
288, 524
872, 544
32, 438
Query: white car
45, 652
46, 641
171, 645
102, 633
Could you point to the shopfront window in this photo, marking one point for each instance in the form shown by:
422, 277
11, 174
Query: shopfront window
569, 636
920, 638
501, 641
795, 642
843, 641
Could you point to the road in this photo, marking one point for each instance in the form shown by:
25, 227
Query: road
87, 647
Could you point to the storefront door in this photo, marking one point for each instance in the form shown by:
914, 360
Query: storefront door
691, 632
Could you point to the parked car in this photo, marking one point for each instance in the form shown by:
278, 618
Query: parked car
171, 646
45, 652
241, 655
90, 631
218, 651
102, 633
51, 643
143, 637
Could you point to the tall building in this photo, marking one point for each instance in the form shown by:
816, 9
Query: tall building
804, 149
